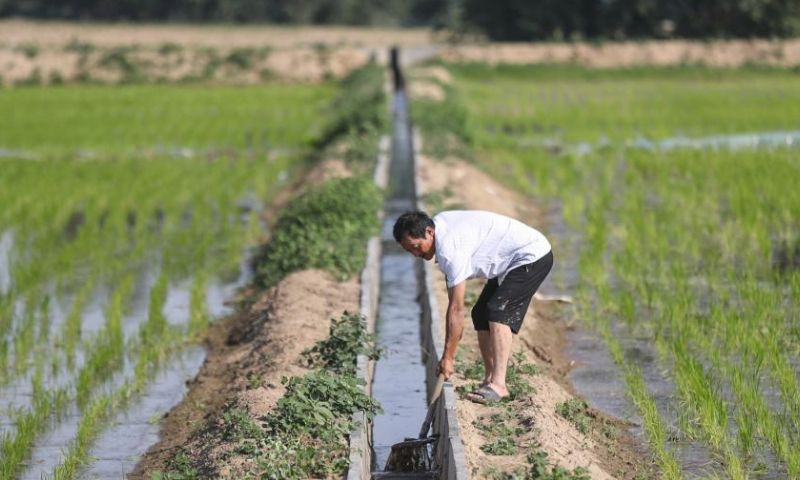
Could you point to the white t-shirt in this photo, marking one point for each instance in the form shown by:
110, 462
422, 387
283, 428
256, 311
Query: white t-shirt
478, 244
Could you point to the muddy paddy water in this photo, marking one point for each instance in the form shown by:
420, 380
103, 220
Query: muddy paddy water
130, 433
135, 427
599, 380
752, 140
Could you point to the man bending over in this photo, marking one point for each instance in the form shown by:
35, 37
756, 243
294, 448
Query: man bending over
515, 259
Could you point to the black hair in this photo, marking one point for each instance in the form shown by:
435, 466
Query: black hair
413, 224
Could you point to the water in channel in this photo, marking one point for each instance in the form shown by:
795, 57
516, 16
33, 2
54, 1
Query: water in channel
399, 379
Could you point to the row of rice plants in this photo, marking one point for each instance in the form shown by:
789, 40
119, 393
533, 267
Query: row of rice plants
694, 249
724, 258
534, 104
95, 231
114, 248
101, 355
159, 121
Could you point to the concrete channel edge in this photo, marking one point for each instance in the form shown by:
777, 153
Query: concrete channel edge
450, 449
360, 441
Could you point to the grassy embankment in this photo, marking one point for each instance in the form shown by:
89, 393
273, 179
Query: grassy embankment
697, 250
108, 191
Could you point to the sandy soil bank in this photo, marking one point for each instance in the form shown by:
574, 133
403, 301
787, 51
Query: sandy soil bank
36, 53
15, 32
628, 54
190, 64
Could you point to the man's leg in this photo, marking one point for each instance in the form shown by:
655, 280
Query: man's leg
500, 339
485, 344
480, 320
507, 306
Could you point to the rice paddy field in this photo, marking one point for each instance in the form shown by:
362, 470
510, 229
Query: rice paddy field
675, 193
126, 214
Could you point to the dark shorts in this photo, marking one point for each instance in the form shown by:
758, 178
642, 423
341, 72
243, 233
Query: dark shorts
507, 303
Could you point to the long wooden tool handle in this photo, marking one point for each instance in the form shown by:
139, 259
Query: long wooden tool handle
437, 390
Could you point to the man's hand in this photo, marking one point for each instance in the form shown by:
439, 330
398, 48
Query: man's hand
445, 366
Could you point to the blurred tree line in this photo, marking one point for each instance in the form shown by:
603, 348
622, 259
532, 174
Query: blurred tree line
510, 20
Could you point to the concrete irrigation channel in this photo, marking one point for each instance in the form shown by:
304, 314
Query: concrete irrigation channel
398, 300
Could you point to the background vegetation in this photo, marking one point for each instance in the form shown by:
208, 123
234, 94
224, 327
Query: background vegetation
514, 20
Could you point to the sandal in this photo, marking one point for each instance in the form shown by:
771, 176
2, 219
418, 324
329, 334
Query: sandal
485, 395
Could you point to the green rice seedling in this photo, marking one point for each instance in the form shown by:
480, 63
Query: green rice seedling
25, 336
147, 116
156, 323
700, 393
72, 326
116, 310
107, 351
43, 336
618, 103
772, 426
786, 379
36, 381
16, 446
198, 311
753, 407
95, 413
653, 422
150, 354
3, 362
765, 423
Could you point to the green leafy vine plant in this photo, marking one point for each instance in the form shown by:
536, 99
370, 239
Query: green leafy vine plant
325, 228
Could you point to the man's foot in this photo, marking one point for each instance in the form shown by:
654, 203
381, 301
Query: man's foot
486, 395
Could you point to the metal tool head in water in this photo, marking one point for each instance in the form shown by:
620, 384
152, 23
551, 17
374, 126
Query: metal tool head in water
413, 455
417, 454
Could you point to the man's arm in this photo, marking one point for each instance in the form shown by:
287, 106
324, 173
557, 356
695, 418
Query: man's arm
454, 327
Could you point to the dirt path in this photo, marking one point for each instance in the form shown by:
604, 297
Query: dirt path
732, 53
541, 340
41, 53
249, 352
59, 33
